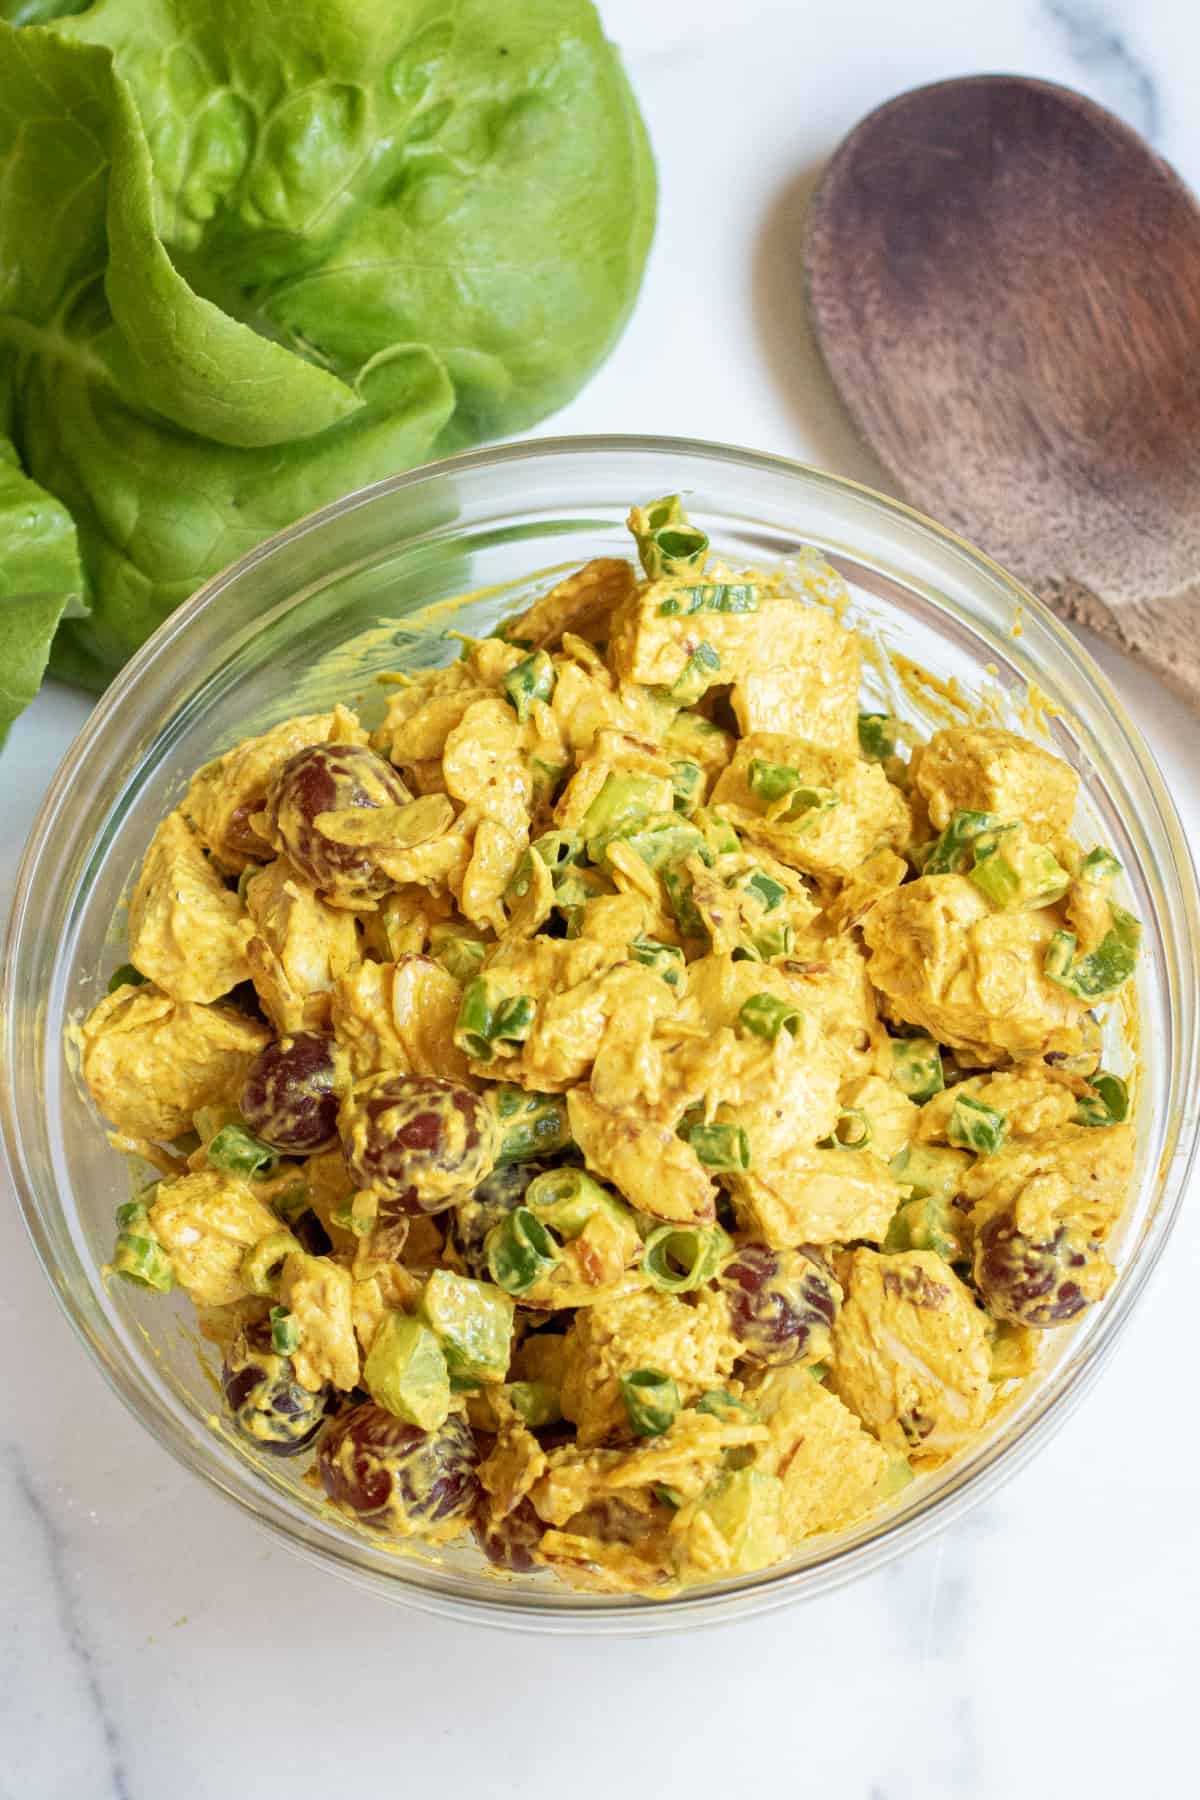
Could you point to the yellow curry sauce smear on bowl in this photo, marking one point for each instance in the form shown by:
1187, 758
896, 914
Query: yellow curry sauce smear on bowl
633, 1106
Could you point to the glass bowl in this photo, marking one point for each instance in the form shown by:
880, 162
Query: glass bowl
316, 613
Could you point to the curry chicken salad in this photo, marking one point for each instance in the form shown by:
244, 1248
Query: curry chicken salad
632, 1106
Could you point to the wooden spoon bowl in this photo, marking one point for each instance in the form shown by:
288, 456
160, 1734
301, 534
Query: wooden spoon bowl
1004, 281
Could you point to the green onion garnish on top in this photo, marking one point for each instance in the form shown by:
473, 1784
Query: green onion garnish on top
720, 1146
651, 1401
917, 1068
974, 1125
765, 1015
1106, 968
668, 543
236, 1151
530, 680
711, 597
1107, 1104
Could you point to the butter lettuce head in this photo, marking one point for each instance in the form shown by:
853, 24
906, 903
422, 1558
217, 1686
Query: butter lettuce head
253, 255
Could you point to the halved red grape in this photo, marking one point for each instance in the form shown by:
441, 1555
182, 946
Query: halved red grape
265, 1401
290, 1098
1039, 1284
326, 778
782, 1304
396, 1477
510, 1542
419, 1141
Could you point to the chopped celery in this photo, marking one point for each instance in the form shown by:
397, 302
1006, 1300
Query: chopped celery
687, 780
531, 1124
1107, 968
405, 1372
1015, 874
667, 960
459, 954
624, 803
236, 1151
473, 1322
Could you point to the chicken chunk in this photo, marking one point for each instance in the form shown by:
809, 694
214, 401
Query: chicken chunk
855, 813
971, 977
801, 677
911, 1353
187, 931
693, 1344
1067, 1174
816, 1196
299, 948
150, 1062
319, 1295
206, 1223
655, 1170
833, 1471
984, 769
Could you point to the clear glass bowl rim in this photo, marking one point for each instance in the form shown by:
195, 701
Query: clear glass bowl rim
896, 1533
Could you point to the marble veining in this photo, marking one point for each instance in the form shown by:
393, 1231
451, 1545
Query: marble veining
1093, 41
74, 1634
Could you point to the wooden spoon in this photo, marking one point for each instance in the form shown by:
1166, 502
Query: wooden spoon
1005, 284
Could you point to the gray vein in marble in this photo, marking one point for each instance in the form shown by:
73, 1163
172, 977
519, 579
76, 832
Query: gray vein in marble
70, 1622
1096, 45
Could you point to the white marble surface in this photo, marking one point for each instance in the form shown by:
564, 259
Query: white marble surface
153, 1644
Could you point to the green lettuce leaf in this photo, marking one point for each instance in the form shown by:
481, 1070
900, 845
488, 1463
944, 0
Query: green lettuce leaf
254, 256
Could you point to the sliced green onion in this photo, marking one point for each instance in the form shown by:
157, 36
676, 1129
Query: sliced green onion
536, 1403
667, 960
766, 1016
772, 782
687, 779
513, 1020
651, 1401
1099, 866
484, 1026
533, 1124
697, 675
1107, 1104
285, 1331
711, 597
670, 1496
917, 1068
142, 1261
877, 735
856, 1134
530, 680
719, 1403
769, 941
568, 1198
1106, 969
976, 1126
236, 1151
679, 893
520, 1251
133, 1213
678, 1258
262, 1265
668, 543
125, 975
458, 954
721, 1146
946, 854
765, 888
557, 849
624, 803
